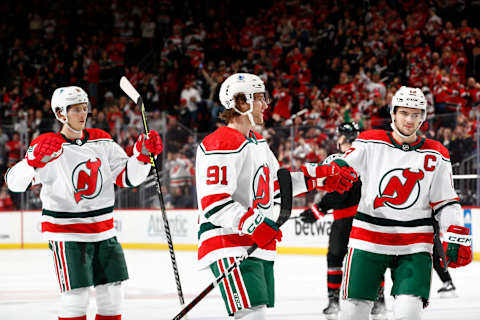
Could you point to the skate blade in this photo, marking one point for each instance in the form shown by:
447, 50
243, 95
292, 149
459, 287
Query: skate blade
448, 294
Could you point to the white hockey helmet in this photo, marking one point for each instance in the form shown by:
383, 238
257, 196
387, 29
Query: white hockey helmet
245, 83
66, 96
410, 98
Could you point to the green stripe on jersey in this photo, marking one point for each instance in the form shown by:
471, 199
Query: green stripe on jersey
436, 211
61, 272
411, 146
129, 184
393, 223
207, 226
210, 213
84, 214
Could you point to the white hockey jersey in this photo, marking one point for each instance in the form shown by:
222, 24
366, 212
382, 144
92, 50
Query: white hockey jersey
231, 172
77, 188
401, 184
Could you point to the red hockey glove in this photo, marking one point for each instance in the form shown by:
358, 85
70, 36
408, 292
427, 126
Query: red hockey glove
313, 170
46, 150
457, 244
329, 178
144, 147
336, 183
346, 172
311, 214
315, 174
262, 229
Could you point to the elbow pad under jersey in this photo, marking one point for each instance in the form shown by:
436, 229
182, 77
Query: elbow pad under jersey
19, 177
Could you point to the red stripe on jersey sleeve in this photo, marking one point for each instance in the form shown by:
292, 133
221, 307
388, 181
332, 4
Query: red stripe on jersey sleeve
95, 227
276, 186
345, 212
229, 241
434, 204
119, 181
208, 200
392, 239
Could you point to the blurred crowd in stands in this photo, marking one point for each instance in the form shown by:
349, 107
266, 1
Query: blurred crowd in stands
330, 62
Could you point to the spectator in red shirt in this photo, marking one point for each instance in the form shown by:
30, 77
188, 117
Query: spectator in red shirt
14, 148
6, 202
93, 78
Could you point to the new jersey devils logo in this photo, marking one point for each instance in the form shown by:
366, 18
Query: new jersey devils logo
261, 187
401, 189
87, 180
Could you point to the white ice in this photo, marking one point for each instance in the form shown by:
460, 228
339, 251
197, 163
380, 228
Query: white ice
29, 289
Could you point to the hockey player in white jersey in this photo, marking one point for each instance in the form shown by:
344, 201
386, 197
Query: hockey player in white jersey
77, 169
403, 177
236, 175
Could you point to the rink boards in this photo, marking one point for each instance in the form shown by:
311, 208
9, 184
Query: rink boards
143, 229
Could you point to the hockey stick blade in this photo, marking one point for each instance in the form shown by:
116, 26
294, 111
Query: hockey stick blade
286, 195
129, 89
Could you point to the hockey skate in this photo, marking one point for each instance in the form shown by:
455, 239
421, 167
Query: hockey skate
379, 310
447, 290
332, 310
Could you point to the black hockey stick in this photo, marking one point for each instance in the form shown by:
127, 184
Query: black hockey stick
285, 183
437, 244
294, 218
128, 88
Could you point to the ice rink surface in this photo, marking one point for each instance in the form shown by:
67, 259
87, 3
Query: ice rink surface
29, 289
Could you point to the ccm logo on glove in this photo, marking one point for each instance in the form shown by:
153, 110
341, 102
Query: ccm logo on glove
458, 239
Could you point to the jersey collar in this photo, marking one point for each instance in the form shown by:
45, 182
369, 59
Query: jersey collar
252, 138
406, 146
80, 141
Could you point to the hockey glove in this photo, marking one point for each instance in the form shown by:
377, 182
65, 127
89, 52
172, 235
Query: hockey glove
336, 183
311, 214
262, 229
319, 177
151, 145
46, 150
457, 244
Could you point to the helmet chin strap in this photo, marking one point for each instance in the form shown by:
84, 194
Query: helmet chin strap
250, 117
69, 127
73, 130
248, 113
